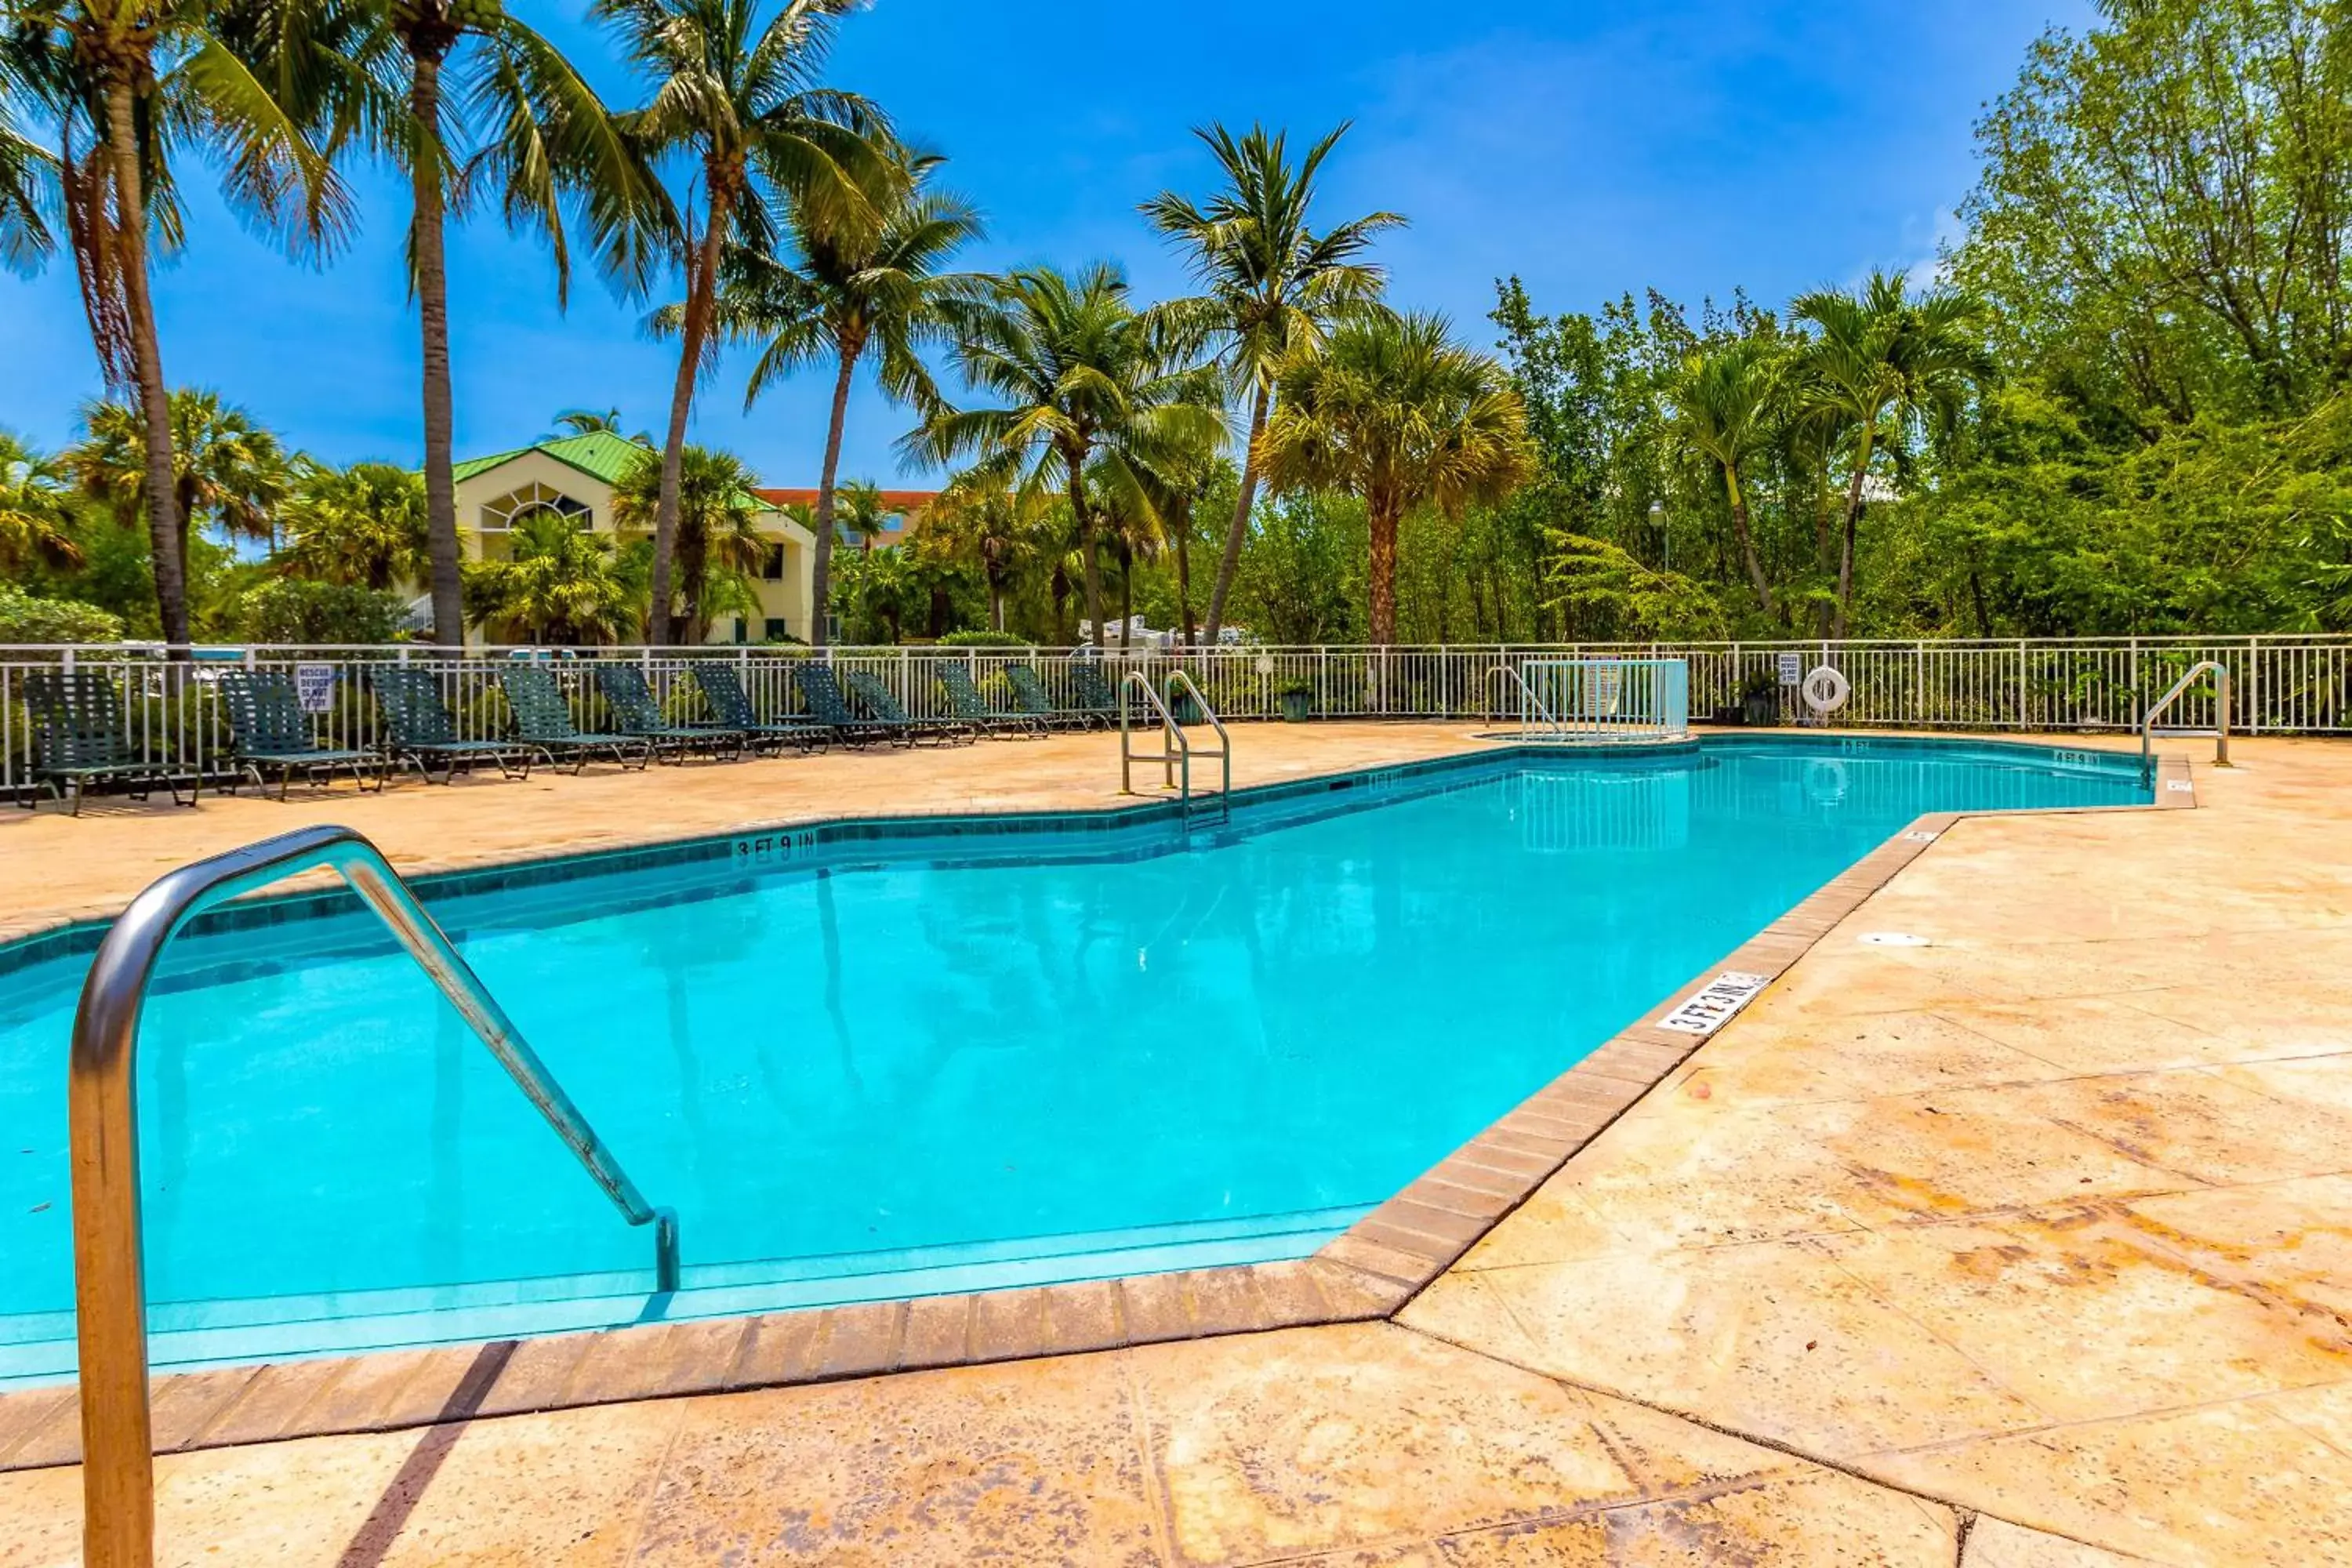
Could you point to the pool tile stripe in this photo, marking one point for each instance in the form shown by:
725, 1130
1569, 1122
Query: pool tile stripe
1368, 1273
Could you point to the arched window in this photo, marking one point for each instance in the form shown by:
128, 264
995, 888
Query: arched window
501, 515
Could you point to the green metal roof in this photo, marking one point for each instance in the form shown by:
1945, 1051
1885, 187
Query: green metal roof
599, 454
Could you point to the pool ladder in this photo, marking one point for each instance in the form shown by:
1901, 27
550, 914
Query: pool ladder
110, 1288
2221, 730
1176, 750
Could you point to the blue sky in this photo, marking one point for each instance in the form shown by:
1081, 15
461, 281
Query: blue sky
1591, 148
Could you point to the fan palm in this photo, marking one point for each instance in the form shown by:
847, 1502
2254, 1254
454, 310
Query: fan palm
363, 526
225, 470
719, 541
1083, 381
1275, 283
37, 510
1723, 406
123, 81
870, 285
736, 89
1391, 409
559, 584
1882, 365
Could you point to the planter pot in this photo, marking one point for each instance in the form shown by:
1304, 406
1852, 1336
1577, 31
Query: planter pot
1734, 714
1763, 709
1298, 706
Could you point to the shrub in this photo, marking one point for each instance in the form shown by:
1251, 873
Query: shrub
299, 610
983, 639
25, 618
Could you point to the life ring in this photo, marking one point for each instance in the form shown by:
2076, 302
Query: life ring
1826, 688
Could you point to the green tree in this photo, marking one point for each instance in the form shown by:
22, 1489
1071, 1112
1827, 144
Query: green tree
735, 92
1274, 282
982, 524
225, 470
560, 583
1723, 408
867, 290
1083, 383
1883, 365
1392, 409
364, 526
37, 510
123, 82
718, 541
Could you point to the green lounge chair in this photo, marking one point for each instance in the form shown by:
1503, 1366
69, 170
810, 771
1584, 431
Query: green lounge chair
543, 722
268, 730
419, 731
1092, 701
866, 687
81, 738
1029, 695
732, 706
973, 710
821, 694
636, 712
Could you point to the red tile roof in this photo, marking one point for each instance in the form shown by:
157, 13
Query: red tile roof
907, 502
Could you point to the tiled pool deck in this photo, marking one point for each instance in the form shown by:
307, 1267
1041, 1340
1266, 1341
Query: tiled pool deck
1938, 1253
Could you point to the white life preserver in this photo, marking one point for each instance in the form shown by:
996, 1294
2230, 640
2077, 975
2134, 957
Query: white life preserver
1826, 688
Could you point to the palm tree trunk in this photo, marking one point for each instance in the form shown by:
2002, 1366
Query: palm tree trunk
1183, 520
147, 365
1845, 550
1238, 533
1125, 599
1382, 519
825, 482
1089, 563
426, 239
1740, 523
700, 290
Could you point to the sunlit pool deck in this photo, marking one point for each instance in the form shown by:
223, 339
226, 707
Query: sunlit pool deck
2025, 1243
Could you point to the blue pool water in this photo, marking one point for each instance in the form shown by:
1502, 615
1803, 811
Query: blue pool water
876, 1068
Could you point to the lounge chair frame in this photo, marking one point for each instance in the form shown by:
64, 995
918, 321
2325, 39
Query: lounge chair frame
268, 728
80, 737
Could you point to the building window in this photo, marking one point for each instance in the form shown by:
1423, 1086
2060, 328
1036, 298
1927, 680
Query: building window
777, 630
771, 566
533, 500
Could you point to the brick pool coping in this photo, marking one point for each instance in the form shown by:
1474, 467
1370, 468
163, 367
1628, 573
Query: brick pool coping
1368, 1273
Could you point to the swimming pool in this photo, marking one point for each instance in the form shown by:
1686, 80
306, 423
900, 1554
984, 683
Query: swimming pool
880, 1059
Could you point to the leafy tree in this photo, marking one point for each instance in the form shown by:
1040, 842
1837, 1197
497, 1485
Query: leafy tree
719, 541
121, 81
981, 524
296, 610
37, 510
1083, 383
1609, 595
364, 526
1274, 282
560, 583
1391, 409
225, 470
736, 90
31, 618
1723, 408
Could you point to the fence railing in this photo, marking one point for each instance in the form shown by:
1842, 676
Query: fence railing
2279, 684
1603, 699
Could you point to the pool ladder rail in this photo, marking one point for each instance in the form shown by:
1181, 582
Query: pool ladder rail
2221, 730
109, 1287
1176, 749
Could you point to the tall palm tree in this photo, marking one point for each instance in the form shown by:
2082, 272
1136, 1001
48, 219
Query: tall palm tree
1082, 381
588, 421
736, 89
225, 470
1882, 365
37, 510
1275, 283
983, 524
874, 287
364, 526
1723, 406
123, 82
559, 584
719, 541
27, 172
1391, 409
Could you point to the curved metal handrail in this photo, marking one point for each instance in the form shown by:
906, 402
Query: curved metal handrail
1177, 746
1224, 741
2221, 711
110, 1289
1527, 695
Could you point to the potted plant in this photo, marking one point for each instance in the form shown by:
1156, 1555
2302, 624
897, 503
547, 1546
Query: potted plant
1760, 697
1297, 701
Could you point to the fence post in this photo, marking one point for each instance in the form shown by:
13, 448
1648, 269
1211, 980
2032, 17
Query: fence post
2252, 708
2021, 684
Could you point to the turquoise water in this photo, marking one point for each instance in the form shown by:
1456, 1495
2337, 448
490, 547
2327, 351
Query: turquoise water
958, 1061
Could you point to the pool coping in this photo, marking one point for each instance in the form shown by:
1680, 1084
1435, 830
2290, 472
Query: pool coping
1368, 1273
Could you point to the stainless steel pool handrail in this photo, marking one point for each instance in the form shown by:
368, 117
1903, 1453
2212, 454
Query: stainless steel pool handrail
1176, 752
2221, 712
1224, 752
1528, 697
109, 1287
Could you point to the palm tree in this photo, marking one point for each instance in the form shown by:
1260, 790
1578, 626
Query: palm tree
363, 526
37, 510
27, 170
1274, 284
588, 421
560, 583
860, 513
719, 541
847, 291
225, 470
738, 92
1391, 409
123, 80
1724, 406
1883, 364
1084, 381
982, 524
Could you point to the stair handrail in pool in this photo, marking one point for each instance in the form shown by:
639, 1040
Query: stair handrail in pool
1176, 751
109, 1287
1528, 698
2221, 712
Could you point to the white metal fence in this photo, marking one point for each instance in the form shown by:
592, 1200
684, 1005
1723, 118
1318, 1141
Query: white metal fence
2282, 684
1603, 701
